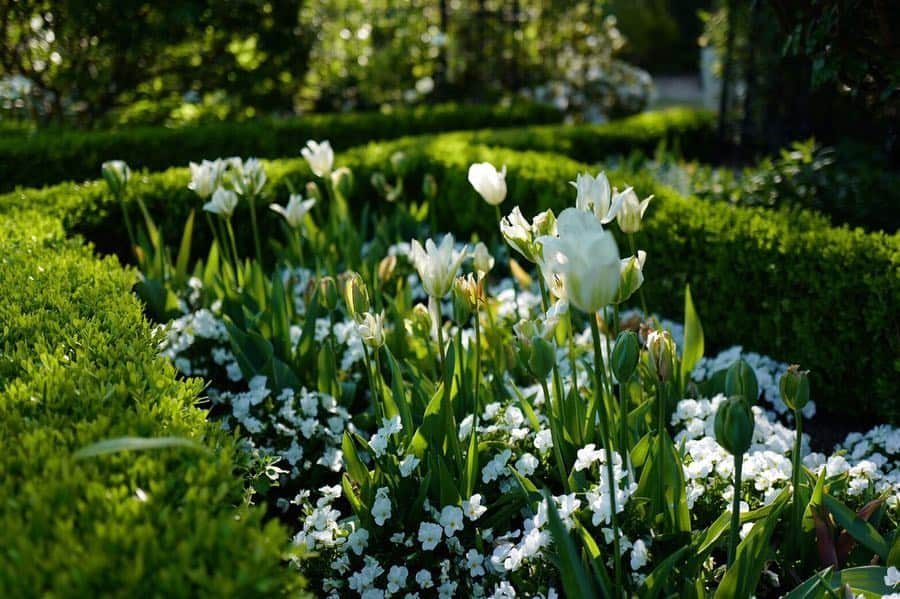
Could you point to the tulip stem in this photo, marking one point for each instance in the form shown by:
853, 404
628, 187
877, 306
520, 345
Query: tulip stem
607, 446
477, 409
128, 226
641, 288
556, 436
734, 537
256, 244
234, 251
795, 470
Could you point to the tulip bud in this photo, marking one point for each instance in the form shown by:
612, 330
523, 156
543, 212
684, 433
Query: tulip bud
356, 295
482, 259
625, 356
386, 267
371, 329
794, 387
342, 180
543, 357
312, 191
421, 321
631, 277
462, 298
429, 187
741, 380
662, 354
328, 294
116, 173
399, 163
734, 425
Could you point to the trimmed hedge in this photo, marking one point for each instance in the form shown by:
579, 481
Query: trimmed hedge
44, 158
779, 282
78, 365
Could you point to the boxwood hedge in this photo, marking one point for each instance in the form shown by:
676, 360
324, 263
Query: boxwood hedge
47, 157
78, 365
779, 282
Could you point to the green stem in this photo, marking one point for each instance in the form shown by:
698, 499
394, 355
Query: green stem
477, 360
128, 226
735, 510
795, 470
256, 244
379, 411
556, 436
442, 354
545, 298
607, 446
641, 288
237, 260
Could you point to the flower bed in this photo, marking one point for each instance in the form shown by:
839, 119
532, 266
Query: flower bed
514, 431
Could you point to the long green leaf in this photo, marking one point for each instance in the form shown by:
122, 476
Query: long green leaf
858, 528
576, 582
693, 337
658, 579
184, 249
134, 444
867, 581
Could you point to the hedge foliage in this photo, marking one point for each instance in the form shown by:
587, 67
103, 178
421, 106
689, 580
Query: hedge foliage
779, 282
48, 157
78, 365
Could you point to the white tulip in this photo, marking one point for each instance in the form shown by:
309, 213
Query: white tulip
628, 210
320, 157
586, 258
520, 234
632, 275
223, 202
116, 173
295, 211
206, 177
437, 265
489, 183
482, 259
594, 195
249, 177
371, 328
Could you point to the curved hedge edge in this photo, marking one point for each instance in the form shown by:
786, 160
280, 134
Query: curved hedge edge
78, 364
842, 289
53, 156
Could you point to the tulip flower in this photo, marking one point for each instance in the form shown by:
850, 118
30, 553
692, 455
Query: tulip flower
488, 182
628, 210
320, 157
249, 177
521, 235
662, 354
371, 329
437, 265
482, 259
116, 173
206, 177
223, 202
295, 211
594, 196
586, 259
632, 276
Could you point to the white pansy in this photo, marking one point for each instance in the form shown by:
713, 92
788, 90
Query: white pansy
295, 211
473, 508
892, 578
451, 519
430, 535
320, 157
488, 182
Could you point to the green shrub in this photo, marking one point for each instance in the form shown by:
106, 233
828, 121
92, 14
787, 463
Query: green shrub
54, 156
78, 364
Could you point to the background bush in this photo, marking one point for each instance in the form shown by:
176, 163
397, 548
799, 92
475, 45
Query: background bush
78, 365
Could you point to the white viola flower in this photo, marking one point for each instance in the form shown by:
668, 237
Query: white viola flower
396, 578
473, 508
594, 195
381, 509
249, 178
437, 264
451, 519
391, 426
223, 202
639, 555
295, 211
482, 259
116, 173
447, 590
408, 464
543, 441
587, 455
892, 578
206, 177
586, 258
358, 540
475, 563
320, 157
429, 535
371, 329
628, 210
423, 578
488, 182
527, 464
493, 469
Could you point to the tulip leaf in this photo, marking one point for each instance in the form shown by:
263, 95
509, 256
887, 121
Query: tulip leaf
472, 459
656, 581
575, 580
281, 318
814, 501
693, 337
857, 527
251, 351
894, 556
184, 249
355, 468
867, 581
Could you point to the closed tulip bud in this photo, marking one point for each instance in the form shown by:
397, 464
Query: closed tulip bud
371, 329
429, 187
542, 358
464, 297
734, 425
116, 173
740, 379
320, 157
313, 192
488, 182
794, 387
482, 259
421, 321
356, 295
342, 180
629, 210
386, 267
625, 355
662, 354
328, 294
519, 274
223, 203
399, 163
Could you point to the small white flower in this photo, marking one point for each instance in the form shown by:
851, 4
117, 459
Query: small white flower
223, 202
396, 578
451, 519
358, 540
408, 464
423, 579
429, 535
320, 157
892, 578
527, 464
639, 555
475, 563
488, 182
473, 508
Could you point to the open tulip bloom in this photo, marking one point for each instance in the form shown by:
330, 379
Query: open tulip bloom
437, 264
320, 157
295, 211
